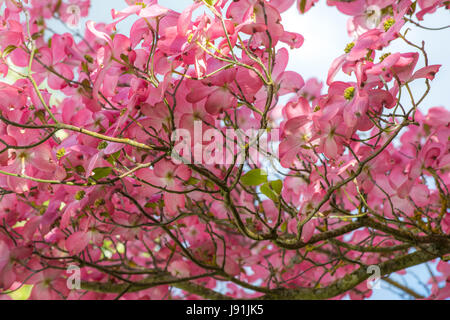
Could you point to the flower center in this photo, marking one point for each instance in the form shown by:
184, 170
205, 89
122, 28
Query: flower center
349, 47
169, 175
349, 93
80, 195
388, 24
384, 56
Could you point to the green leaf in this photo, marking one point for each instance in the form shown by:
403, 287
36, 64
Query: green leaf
284, 226
36, 35
254, 177
58, 6
84, 67
267, 191
100, 173
80, 195
88, 58
40, 114
124, 57
86, 84
113, 157
8, 50
165, 127
152, 205
128, 71
120, 248
302, 6
192, 181
272, 189
210, 185
105, 214
23, 293
412, 9
79, 169
276, 186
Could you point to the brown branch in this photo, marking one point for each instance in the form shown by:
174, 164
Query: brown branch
154, 281
403, 288
355, 278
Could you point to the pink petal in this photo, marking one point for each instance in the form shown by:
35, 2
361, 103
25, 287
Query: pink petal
76, 242
420, 195
113, 147
335, 68
293, 39
4, 254
308, 230
184, 20
99, 34
281, 5
426, 72
330, 148
153, 11
290, 82
219, 100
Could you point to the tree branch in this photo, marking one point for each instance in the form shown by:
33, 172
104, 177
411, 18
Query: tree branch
154, 281
355, 278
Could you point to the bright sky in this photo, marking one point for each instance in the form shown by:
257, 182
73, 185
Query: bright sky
324, 29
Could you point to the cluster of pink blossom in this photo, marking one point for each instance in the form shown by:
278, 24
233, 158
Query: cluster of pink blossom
86, 138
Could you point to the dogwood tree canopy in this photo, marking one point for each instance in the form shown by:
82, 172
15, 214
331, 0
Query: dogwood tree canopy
104, 165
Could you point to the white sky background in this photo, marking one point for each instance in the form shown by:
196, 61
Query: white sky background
324, 29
